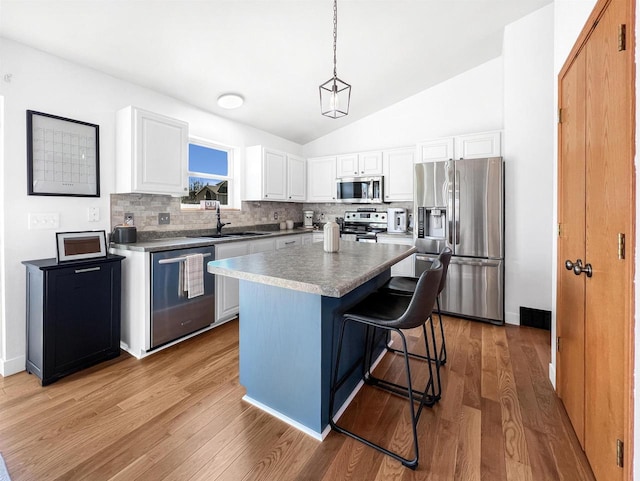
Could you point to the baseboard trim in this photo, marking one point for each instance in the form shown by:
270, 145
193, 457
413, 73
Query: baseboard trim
512, 318
9, 367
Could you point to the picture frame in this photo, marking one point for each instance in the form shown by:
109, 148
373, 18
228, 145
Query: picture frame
81, 245
63, 156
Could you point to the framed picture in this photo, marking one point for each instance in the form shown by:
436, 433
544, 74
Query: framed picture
63, 156
74, 246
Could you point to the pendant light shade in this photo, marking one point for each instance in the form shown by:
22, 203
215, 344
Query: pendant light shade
335, 94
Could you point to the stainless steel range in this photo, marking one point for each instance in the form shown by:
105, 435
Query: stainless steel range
363, 224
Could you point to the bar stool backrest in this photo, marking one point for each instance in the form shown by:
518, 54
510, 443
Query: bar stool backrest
444, 258
423, 299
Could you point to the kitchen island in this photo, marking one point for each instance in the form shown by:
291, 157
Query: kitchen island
291, 305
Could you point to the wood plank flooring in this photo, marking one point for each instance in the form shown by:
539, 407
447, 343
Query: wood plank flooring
178, 415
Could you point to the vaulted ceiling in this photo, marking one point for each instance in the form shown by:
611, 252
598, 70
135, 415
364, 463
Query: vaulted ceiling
274, 53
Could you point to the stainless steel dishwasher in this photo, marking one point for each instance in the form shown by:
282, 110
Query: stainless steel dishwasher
173, 314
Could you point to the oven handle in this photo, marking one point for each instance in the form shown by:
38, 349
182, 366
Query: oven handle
178, 259
424, 258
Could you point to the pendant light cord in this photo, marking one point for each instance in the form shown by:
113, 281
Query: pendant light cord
335, 36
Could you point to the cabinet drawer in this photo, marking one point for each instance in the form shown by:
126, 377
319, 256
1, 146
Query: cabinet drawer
288, 241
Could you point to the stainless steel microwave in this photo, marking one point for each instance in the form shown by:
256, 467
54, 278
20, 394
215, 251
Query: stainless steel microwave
360, 190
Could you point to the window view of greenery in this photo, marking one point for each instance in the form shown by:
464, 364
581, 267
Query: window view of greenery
208, 175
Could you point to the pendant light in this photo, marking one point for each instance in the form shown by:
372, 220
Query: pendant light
335, 94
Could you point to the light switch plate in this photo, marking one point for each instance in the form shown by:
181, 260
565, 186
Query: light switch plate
44, 220
93, 214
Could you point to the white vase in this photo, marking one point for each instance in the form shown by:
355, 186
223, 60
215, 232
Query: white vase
331, 237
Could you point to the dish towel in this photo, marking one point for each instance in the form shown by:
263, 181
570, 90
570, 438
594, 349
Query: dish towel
4, 474
194, 275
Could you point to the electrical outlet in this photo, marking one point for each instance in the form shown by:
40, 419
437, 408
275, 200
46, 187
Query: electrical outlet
44, 221
164, 218
275, 216
93, 214
128, 218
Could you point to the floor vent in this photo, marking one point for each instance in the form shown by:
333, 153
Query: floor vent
535, 318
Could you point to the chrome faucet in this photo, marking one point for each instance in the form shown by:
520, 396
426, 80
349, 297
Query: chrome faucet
220, 225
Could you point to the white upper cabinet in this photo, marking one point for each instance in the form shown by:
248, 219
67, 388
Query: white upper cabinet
470, 146
365, 163
273, 175
321, 183
398, 166
151, 153
296, 178
436, 150
478, 146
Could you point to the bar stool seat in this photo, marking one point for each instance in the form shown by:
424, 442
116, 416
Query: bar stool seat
383, 310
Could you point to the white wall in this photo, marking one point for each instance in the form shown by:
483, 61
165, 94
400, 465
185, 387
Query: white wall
528, 153
49, 84
469, 102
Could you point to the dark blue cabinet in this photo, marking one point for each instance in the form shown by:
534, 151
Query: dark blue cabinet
73, 315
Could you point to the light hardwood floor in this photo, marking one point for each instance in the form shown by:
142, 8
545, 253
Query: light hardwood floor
178, 415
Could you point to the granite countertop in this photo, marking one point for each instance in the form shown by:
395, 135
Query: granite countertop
169, 243
311, 269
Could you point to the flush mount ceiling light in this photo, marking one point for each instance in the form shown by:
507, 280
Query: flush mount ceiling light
335, 94
230, 101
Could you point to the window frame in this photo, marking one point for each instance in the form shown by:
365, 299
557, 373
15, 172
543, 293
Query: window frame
229, 177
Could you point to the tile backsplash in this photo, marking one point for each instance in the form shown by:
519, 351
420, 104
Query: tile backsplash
146, 207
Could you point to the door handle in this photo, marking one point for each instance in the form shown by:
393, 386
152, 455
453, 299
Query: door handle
578, 268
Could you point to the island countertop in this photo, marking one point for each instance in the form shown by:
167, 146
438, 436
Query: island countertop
311, 269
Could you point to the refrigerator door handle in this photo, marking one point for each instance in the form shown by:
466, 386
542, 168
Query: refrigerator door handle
457, 204
450, 214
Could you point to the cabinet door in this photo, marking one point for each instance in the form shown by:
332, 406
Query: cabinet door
228, 288
398, 175
478, 146
274, 171
296, 178
321, 179
82, 317
288, 241
370, 163
347, 165
161, 154
436, 150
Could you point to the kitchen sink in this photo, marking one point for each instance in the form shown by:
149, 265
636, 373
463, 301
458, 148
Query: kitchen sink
232, 234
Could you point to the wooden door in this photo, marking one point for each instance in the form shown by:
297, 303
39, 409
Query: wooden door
609, 178
605, 92
571, 244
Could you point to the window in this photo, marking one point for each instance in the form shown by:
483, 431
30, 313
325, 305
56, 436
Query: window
210, 174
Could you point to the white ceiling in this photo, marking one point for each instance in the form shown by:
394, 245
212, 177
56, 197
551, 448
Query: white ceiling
274, 53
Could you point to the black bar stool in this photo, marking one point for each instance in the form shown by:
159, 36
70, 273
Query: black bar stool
401, 285
384, 310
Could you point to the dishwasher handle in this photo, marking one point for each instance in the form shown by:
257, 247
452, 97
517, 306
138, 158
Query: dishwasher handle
174, 260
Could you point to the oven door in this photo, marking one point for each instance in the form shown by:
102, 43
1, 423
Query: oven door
366, 238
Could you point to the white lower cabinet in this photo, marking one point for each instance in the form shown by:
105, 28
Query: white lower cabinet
262, 245
406, 267
228, 288
318, 236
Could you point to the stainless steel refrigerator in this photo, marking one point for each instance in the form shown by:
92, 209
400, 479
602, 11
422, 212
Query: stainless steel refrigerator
460, 204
